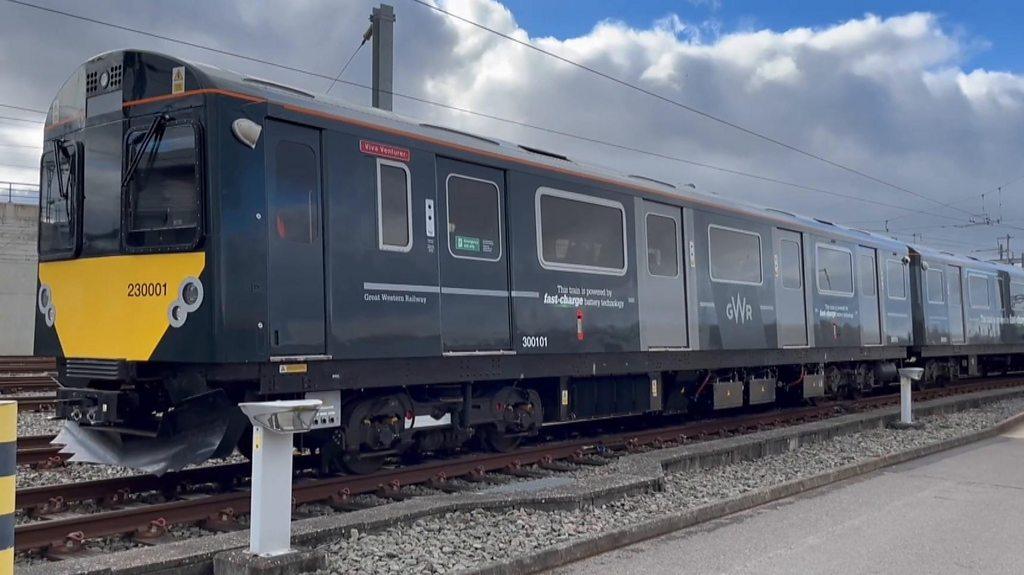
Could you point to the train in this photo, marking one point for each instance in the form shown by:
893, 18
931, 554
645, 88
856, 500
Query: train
208, 238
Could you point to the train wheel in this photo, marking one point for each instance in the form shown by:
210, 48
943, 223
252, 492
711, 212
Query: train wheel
499, 441
361, 463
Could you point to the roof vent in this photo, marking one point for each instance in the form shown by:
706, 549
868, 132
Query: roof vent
545, 153
826, 222
276, 86
116, 75
646, 179
461, 133
92, 82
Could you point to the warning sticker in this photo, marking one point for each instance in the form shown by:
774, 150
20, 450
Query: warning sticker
178, 80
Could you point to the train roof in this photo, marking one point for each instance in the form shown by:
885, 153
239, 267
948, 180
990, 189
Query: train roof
233, 83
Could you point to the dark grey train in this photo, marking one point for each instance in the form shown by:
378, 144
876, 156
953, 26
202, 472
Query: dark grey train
208, 238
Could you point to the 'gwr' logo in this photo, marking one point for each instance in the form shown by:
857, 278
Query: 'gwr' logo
738, 310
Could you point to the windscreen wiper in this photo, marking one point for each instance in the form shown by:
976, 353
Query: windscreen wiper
58, 151
158, 123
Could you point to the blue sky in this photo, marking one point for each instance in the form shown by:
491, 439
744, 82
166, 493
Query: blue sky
995, 22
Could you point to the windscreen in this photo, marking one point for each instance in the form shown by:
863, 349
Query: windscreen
163, 189
59, 187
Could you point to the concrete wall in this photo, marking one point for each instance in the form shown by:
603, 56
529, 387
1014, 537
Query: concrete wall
17, 277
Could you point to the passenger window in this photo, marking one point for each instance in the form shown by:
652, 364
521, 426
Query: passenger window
896, 279
790, 264
868, 277
163, 192
295, 198
734, 255
835, 271
474, 218
581, 233
977, 288
662, 246
394, 204
936, 289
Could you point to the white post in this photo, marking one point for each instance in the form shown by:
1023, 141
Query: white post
908, 375
906, 407
274, 425
270, 532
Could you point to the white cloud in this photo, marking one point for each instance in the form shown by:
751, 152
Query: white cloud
891, 96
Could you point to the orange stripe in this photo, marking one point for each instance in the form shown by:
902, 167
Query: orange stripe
410, 135
477, 151
202, 92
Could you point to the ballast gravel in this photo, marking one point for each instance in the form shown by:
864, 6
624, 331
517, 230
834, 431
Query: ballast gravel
37, 423
460, 540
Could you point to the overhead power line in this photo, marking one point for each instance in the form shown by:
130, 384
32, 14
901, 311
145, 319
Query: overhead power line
347, 62
23, 108
27, 121
684, 106
338, 79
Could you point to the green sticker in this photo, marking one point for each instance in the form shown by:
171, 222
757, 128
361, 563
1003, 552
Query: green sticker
467, 244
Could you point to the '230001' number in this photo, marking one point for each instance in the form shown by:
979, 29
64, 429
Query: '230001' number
147, 289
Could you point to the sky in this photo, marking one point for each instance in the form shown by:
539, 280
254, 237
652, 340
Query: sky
922, 102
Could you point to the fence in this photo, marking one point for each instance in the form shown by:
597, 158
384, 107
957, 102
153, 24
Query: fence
19, 193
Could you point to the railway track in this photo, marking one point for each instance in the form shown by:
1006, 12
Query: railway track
28, 375
122, 513
11, 365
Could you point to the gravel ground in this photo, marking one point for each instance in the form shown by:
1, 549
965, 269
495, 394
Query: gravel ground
76, 472
460, 540
33, 423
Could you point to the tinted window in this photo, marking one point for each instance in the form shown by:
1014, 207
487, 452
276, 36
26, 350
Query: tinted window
474, 228
576, 233
58, 195
866, 271
835, 271
295, 195
393, 205
163, 193
790, 264
735, 256
662, 246
936, 291
977, 289
1017, 298
895, 278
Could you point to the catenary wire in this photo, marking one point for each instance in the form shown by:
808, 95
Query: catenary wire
22, 108
459, 109
686, 107
345, 67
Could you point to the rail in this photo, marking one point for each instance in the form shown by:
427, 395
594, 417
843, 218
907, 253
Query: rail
19, 193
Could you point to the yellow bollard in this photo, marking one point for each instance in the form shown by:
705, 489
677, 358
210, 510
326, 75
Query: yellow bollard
8, 470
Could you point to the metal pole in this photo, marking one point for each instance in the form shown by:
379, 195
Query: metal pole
382, 24
270, 532
906, 406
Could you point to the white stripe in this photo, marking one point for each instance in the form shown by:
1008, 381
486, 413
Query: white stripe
472, 291
414, 288
707, 304
401, 287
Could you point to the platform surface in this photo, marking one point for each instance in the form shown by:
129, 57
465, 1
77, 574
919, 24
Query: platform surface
959, 511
